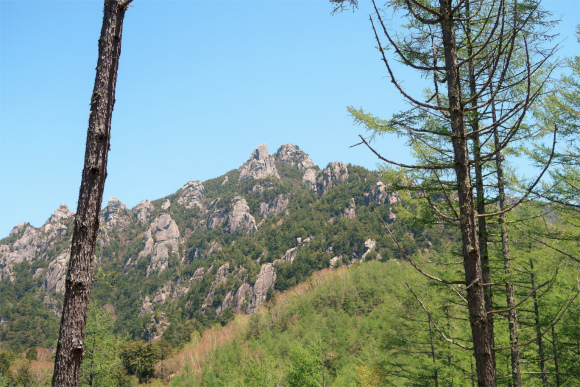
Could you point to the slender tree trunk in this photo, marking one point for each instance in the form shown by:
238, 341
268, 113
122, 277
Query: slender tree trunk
505, 248
482, 232
79, 278
435, 375
555, 349
538, 329
472, 263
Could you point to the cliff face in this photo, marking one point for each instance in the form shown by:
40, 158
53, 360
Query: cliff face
212, 248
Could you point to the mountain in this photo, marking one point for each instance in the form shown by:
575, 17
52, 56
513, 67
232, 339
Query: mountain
178, 264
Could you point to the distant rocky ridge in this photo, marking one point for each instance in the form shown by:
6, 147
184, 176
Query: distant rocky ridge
161, 229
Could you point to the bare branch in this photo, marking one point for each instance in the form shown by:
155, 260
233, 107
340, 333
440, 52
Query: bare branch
409, 258
434, 323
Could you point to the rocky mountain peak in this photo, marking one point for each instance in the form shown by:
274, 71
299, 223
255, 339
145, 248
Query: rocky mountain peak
334, 174
192, 194
260, 165
61, 213
114, 206
291, 154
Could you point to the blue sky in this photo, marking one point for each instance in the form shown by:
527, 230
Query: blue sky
200, 85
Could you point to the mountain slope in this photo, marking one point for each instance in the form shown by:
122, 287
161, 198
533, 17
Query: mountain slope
178, 264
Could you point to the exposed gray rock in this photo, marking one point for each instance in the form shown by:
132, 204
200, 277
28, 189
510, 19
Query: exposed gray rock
288, 256
113, 208
379, 195
243, 295
157, 326
265, 281
225, 180
370, 245
350, 211
192, 194
334, 174
220, 277
55, 278
60, 214
260, 165
18, 228
225, 303
291, 154
334, 262
166, 204
310, 178
162, 240
240, 221
142, 211
162, 294
199, 273
278, 205
146, 308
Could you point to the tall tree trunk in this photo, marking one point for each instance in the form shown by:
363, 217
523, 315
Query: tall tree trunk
435, 374
538, 329
472, 263
79, 278
482, 232
555, 349
505, 248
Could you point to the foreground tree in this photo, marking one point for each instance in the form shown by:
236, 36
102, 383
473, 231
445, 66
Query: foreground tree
79, 278
469, 49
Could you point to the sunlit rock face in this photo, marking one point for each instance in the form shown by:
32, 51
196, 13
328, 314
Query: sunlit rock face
240, 221
334, 174
191, 194
260, 165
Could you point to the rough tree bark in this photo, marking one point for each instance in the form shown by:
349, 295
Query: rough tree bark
480, 329
79, 278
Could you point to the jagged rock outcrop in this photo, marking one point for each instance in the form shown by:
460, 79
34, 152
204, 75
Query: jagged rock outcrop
146, 308
334, 262
162, 240
30, 243
221, 276
191, 194
115, 215
142, 211
265, 281
157, 326
55, 277
112, 210
278, 205
288, 256
291, 154
379, 195
350, 211
334, 174
60, 214
260, 165
310, 178
240, 221
199, 273
243, 296
370, 245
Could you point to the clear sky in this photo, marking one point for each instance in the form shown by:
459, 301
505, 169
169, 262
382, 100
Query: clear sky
200, 85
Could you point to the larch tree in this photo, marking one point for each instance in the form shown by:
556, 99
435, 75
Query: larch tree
479, 55
79, 278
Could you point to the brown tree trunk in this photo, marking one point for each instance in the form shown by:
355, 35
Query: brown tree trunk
538, 328
472, 262
79, 278
510, 296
